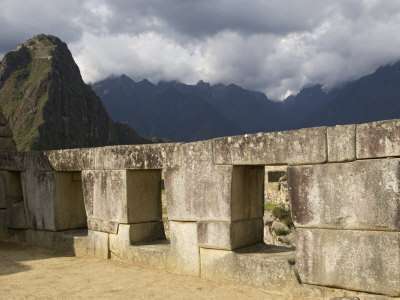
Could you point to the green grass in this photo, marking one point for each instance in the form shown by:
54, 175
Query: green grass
270, 206
164, 210
282, 214
162, 191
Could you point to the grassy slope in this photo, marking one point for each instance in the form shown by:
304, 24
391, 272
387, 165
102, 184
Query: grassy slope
23, 97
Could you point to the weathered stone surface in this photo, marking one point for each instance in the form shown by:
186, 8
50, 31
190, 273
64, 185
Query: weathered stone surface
378, 139
247, 192
285, 147
200, 190
13, 188
94, 244
146, 232
67, 160
53, 200
156, 156
204, 195
355, 260
154, 255
12, 160
15, 216
341, 143
3, 191
39, 197
230, 235
3, 225
123, 196
18, 235
144, 195
72, 242
7, 144
5, 131
266, 267
354, 195
69, 204
184, 257
101, 225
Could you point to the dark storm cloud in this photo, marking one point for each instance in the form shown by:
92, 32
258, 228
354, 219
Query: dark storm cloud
202, 18
275, 46
20, 20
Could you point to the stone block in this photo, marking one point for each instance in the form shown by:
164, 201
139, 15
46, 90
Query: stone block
200, 190
378, 139
355, 195
19, 235
70, 210
72, 242
3, 225
94, 244
154, 255
185, 257
7, 144
12, 160
341, 143
146, 232
66, 160
144, 195
67, 242
13, 187
204, 194
101, 225
262, 266
247, 192
123, 196
230, 235
302, 146
156, 156
39, 197
5, 131
354, 260
16, 216
3, 203
41, 239
53, 200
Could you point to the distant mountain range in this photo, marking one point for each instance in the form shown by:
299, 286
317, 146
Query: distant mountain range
48, 105
181, 112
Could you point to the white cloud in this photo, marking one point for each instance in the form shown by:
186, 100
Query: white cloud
148, 55
275, 46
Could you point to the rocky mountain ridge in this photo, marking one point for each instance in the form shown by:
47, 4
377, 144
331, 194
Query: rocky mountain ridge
48, 105
171, 109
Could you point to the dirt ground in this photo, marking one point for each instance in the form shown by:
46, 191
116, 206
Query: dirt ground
32, 273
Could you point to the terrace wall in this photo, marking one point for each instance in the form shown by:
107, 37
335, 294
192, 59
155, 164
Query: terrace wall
343, 185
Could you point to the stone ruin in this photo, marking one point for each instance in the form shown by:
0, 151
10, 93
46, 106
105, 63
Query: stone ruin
343, 185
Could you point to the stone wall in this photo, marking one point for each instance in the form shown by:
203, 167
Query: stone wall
6, 141
343, 184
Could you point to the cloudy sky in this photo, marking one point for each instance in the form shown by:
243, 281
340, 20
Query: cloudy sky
274, 46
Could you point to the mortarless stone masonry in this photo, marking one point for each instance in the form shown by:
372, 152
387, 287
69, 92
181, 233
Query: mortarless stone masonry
343, 184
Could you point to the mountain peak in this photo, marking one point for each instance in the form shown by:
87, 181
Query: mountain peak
203, 84
125, 78
48, 104
146, 83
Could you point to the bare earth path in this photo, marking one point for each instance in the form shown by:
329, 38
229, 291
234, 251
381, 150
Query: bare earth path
32, 273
